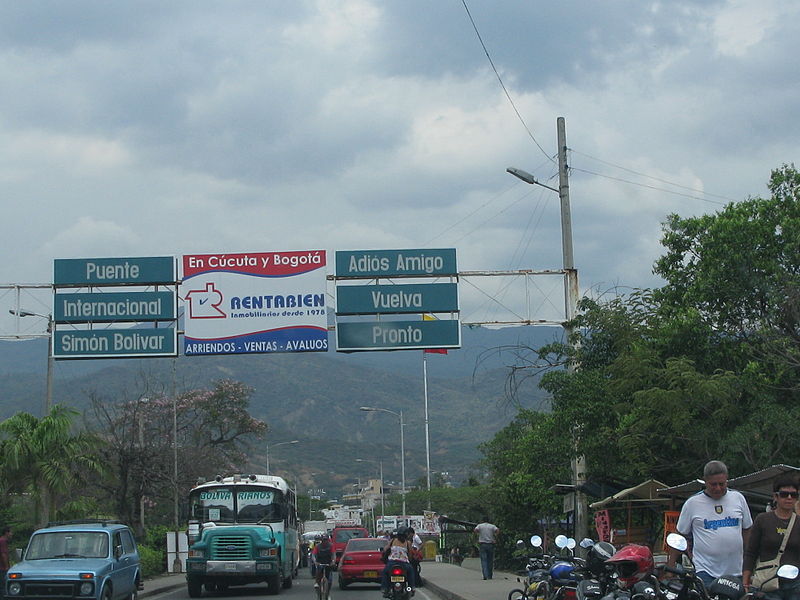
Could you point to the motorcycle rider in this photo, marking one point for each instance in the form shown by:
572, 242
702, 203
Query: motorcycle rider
399, 555
323, 555
416, 555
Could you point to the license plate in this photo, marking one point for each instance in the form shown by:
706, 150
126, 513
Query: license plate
371, 574
230, 566
398, 579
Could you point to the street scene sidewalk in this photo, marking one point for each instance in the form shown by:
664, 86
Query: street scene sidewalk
447, 581
466, 582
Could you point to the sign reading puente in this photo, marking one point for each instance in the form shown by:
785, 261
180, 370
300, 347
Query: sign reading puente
134, 319
365, 304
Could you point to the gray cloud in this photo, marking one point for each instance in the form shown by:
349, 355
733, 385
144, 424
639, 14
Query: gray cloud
152, 127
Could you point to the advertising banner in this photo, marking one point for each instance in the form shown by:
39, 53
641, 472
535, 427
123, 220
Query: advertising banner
255, 303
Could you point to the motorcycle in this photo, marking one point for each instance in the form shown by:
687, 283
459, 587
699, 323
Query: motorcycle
598, 577
564, 571
537, 581
688, 586
399, 586
631, 574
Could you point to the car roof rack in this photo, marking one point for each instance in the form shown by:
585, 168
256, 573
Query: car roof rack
103, 522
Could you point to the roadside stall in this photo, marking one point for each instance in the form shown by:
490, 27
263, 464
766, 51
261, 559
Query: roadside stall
756, 487
632, 516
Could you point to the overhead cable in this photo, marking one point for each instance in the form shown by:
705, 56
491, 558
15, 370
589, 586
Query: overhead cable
500, 79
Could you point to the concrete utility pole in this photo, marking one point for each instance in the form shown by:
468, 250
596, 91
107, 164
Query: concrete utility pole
571, 294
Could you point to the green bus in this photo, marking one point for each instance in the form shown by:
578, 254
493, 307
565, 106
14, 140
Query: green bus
242, 530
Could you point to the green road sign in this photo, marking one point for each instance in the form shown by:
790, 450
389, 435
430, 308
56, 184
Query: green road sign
395, 299
114, 307
397, 335
368, 264
150, 270
115, 343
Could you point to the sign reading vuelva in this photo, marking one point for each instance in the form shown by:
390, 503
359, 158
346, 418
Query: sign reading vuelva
255, 302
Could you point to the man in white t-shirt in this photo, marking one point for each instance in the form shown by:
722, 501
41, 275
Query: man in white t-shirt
487, 537
717, 521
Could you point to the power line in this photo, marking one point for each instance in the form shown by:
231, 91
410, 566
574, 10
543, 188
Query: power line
464, 218
610, 164
500, 79
651, 187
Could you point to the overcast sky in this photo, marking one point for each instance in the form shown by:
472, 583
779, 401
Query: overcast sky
164, 128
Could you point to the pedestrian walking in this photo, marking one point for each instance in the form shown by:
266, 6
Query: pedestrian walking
487, 538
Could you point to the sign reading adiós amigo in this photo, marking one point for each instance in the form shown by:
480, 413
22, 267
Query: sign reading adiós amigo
255, 303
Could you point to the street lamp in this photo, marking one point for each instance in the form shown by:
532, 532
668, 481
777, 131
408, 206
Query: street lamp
141, 449
402, 448
49, 390
380, 463
275, 446
570, 298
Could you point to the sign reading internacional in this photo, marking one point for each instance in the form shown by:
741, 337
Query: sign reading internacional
255, 303
136, 322
114, 307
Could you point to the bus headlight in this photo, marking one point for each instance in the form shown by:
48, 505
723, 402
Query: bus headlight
196, 554
266, 552
86, 588
15, 588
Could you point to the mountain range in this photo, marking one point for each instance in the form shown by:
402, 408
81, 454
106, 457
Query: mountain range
315, 399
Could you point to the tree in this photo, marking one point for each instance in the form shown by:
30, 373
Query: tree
739, 268
43, 457
214, 432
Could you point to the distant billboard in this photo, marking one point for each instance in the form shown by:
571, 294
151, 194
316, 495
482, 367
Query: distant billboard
256, 302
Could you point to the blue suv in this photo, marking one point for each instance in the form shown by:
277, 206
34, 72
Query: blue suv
95, 560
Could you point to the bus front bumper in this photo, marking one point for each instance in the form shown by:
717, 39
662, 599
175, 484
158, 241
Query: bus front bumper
233, 568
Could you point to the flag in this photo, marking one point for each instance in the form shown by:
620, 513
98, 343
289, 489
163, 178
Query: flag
427, 317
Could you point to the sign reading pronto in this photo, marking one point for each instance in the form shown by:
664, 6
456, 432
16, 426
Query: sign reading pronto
114, 343
396, 299
82, 272
397, 335
365, 264
255, 303
114, 307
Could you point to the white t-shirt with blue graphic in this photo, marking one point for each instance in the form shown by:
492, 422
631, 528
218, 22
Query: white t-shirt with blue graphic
716, 529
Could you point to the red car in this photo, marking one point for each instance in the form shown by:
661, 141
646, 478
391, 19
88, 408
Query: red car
361, 562
343, 534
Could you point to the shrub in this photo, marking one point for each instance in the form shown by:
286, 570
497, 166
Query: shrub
152, 561
156, 537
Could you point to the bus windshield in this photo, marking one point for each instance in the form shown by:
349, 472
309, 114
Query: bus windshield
237, 504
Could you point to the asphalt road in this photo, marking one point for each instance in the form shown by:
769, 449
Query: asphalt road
303, 589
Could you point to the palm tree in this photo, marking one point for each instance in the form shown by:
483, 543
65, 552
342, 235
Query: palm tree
45, 458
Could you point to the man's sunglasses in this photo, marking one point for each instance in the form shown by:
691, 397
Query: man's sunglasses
783, 494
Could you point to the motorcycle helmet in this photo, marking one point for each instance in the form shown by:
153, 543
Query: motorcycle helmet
632, 563
597, 556
562, 572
